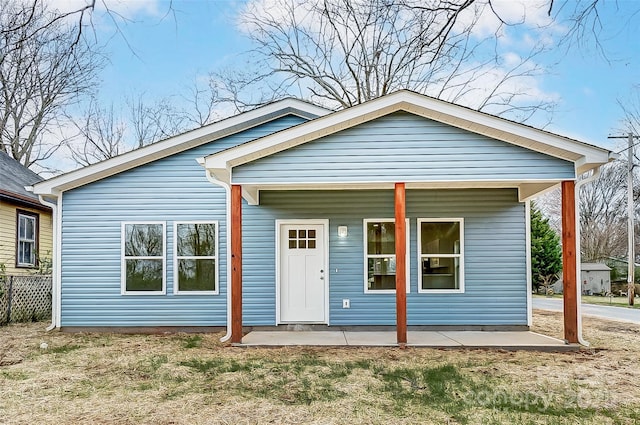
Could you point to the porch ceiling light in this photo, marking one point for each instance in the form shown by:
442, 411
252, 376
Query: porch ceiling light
343, 231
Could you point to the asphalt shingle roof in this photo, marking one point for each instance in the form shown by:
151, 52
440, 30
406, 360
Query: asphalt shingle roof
594, 267
15, 176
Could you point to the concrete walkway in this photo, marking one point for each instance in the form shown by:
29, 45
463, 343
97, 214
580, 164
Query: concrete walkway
515, 340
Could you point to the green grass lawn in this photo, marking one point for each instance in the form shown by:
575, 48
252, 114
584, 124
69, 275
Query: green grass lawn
612, 301
615, 301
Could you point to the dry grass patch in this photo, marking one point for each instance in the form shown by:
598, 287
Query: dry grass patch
191, 379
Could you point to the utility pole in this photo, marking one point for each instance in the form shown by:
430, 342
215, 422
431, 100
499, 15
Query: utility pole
631, 288
630, 219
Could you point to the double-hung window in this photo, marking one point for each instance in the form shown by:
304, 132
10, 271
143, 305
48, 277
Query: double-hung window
380, 255
441, 255
143, 259
27, 239
196, 258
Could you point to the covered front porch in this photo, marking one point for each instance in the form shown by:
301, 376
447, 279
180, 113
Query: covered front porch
425, 161
403, 336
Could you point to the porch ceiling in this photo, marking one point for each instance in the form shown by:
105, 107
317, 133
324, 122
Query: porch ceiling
526, 189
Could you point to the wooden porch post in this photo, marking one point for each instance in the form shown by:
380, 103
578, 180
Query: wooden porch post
236, 264
401, 261
569, 277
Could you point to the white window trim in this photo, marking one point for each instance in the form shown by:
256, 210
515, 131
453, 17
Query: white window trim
33, 241
176, 258
460, 256
123, 264
367, 256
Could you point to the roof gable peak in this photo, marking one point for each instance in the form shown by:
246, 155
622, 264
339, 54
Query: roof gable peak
582, 154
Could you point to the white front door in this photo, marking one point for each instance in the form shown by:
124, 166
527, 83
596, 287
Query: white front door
302, 272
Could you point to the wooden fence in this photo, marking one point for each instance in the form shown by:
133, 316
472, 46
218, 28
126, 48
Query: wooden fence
25, 298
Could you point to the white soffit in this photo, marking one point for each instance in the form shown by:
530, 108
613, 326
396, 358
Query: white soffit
526, 190
462, 184
448, 113
179, 143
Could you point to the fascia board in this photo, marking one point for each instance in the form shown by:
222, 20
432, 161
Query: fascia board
311, 130
505, 130
590, 162
178, 144
16, 198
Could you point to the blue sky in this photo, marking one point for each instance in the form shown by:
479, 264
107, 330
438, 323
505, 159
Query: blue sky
160, 55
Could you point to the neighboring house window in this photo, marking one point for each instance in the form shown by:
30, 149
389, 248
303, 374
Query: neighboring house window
441, 255
380, 255
143, 259
196, 258
27, 239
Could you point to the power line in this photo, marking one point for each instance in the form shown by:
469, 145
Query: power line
626, 137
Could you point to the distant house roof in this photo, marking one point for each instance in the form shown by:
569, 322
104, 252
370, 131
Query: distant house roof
13, 178
590, 267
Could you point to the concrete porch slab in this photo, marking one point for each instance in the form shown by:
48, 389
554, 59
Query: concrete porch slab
502, 339
371, 338
430, 339
515, 340
284, 338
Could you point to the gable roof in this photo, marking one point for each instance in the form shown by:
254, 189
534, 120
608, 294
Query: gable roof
585, 156
13, 179
179, 143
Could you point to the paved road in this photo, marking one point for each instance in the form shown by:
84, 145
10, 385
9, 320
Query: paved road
606, 312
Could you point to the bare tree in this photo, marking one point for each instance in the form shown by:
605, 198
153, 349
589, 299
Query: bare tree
602, 213
341, 53
102, 135
345, 52
202, 102
582, 19
44, 68
103, 132
31, 22
630, 108
248, 86
150, 122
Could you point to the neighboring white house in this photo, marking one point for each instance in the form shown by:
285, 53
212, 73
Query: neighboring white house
595, 279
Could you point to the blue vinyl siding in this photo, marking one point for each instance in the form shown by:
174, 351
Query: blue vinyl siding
495, 258
403, 147
171, 189
175, 189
